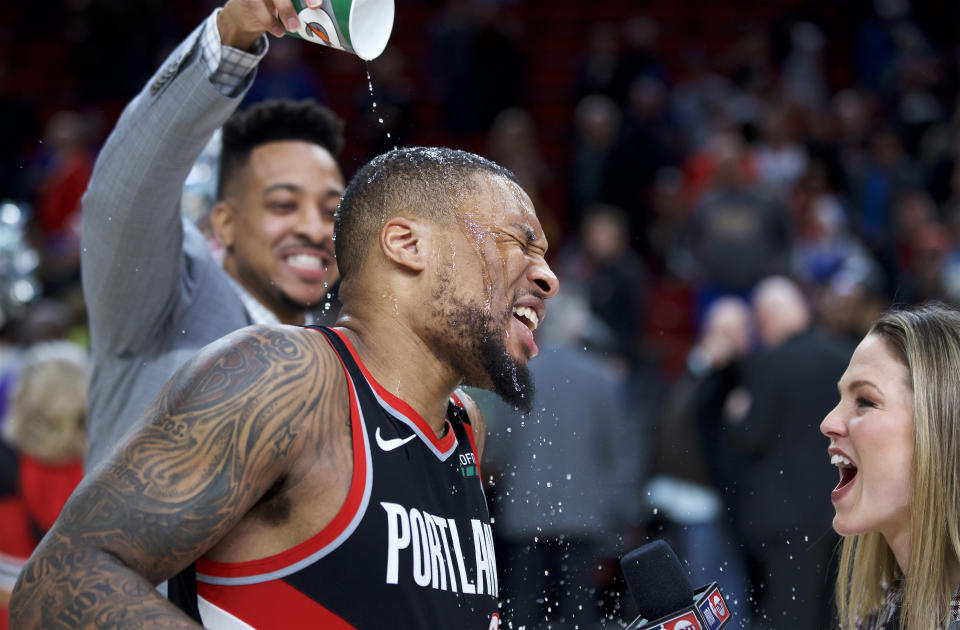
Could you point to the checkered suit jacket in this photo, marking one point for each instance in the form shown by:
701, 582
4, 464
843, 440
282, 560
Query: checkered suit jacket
154, 293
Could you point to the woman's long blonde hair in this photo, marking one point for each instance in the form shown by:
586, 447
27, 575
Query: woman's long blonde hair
927, 340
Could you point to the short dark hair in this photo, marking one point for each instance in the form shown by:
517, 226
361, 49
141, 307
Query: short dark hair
419, 181
275, 121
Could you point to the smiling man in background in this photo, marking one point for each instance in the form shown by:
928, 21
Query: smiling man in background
155, 295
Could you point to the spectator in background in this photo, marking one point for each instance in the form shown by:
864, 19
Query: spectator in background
803, 80
688, 489
927, 278
649, 141
669, 217
568, 477
603, 267
65, 170
888, 173
853, 112
735, 236
781, 510
827, 247
699, 101
639, 56
920, 243
596, 128
41, 453
852, 301
597, 65
780, 159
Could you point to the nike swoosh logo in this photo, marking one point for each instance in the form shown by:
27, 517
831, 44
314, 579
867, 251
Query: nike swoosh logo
389, 445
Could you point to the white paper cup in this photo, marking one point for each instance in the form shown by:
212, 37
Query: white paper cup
359, 27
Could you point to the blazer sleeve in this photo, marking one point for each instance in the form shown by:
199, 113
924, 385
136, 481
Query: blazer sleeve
132, 247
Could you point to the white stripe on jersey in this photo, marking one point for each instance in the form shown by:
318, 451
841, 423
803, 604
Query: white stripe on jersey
216, 618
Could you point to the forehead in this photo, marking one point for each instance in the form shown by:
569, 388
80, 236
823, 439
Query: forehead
873, 360
496, 203
292, 160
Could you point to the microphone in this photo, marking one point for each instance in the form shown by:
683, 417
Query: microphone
663, 593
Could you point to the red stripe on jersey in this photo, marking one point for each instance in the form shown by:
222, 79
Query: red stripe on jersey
328, 534
442, 444
272, 604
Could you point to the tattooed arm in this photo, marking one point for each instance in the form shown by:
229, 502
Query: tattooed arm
223, 430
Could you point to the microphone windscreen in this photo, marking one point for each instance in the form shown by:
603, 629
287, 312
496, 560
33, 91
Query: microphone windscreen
657, 580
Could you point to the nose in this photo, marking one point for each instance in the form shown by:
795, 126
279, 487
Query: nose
833, 424
315, 224
544, 278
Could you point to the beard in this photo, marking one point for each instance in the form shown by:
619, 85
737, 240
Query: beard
510, 379
475, 341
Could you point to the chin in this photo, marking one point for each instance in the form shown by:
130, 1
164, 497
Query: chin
306, 299
845, 528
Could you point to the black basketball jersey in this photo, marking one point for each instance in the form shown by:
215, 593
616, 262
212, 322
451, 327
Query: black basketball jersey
410, 548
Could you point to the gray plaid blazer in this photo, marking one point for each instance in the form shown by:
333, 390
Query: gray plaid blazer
154, 293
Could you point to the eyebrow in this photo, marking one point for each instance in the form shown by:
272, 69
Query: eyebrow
293, 188
527, 231
858, 383
282, 186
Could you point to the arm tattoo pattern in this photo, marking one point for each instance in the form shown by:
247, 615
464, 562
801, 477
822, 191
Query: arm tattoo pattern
224, 428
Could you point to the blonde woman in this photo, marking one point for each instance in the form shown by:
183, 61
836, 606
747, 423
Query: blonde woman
894, 437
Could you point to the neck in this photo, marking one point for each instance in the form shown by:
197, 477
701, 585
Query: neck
293, 318
900, 546
401, 362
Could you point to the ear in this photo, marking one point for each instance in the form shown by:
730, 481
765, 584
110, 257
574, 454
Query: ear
222, 221
401, 240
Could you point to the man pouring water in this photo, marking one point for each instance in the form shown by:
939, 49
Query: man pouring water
155, 294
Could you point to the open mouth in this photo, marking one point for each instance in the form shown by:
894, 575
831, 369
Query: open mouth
848, 471
527, 316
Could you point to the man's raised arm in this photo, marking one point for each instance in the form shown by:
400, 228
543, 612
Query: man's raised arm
132, 228
223, 430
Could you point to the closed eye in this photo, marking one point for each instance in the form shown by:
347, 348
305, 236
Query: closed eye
865, 402
282, 206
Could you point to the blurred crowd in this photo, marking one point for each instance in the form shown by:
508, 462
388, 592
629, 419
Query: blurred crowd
732, 193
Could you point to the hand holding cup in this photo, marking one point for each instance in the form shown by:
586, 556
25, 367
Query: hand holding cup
242, 22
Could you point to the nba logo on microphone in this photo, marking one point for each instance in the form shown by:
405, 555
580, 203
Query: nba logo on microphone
685, 621
712, 608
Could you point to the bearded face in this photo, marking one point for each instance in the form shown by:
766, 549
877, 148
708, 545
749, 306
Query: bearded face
473, 338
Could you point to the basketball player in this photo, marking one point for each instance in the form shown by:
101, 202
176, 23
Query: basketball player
326, 478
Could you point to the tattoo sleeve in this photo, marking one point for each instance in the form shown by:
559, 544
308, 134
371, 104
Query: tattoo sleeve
223, 429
